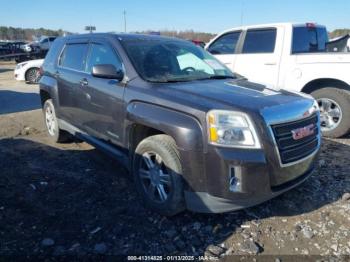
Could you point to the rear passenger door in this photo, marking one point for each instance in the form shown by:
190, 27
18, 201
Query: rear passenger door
224, 48
69, 73
103, 98
260, 56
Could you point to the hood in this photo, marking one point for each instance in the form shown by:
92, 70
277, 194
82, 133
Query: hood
229, 94
30, 63
36, 62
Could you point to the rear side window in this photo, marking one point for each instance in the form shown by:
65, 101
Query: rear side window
74, 56
101, 54
309, 39
259, 41
225, 44
51, 56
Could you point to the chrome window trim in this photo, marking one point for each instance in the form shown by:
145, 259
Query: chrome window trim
87, 57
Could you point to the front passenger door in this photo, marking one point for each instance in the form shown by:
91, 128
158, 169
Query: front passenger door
103, 98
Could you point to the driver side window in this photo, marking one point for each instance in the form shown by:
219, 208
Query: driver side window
102, 54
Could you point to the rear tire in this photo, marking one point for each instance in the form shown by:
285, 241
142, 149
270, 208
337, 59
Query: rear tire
32, 75
335, 111
158, 175
55, 133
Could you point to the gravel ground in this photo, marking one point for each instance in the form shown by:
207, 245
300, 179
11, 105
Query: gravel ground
70, 199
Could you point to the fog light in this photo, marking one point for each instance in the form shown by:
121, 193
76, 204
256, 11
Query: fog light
235, 179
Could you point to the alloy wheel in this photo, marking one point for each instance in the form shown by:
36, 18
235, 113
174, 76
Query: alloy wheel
155, 177
331, 114
33, 76
50, 121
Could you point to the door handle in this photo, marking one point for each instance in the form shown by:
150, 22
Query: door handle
270, 63
57, 74
84, 82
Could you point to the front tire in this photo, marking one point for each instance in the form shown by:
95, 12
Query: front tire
334, 105
55, 133
158, 175
33, 75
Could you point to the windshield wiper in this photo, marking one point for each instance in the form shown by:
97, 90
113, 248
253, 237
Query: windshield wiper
178, 80
220, 77
189, 79
169, 80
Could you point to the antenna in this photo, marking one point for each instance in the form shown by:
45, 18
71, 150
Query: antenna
242, 11
124, 13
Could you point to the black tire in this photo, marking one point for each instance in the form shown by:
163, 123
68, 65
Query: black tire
32, 75
342, 98
55, 133
164, 147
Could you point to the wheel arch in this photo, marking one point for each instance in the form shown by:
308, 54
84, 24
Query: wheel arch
324, 82
145, 119
184, 129
44, 96
49, 89
138, 132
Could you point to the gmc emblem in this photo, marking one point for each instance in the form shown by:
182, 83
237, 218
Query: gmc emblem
300, 133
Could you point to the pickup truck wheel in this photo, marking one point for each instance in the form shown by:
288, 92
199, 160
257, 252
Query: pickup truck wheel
157, 171
32, 75
56, 134
334, 106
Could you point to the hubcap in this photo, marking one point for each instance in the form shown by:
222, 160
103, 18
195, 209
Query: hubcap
155, 177
34, 76
331, 114
50, 121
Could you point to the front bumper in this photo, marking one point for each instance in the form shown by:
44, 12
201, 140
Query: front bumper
19, 75
261, 178
205, 203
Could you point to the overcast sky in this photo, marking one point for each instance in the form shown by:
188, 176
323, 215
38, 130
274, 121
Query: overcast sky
200, 15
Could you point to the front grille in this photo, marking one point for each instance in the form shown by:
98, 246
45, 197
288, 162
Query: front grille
292, 150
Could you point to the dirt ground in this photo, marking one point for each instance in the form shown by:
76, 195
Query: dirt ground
70, 199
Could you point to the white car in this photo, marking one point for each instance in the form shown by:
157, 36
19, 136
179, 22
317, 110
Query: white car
292, 57
29, 71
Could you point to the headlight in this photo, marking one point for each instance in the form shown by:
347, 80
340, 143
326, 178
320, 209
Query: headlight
231, 129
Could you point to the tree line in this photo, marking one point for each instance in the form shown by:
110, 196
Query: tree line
339, 32
187, 34
29, 34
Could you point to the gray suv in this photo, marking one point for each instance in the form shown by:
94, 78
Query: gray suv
193, 134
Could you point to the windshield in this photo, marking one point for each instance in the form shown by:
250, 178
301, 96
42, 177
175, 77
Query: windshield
163, 60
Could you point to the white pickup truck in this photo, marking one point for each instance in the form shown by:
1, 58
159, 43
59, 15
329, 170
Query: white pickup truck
294, 57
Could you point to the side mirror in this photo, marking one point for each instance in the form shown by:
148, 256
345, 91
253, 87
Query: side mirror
107, 71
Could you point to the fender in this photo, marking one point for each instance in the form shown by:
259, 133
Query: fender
186, 130
49, 85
